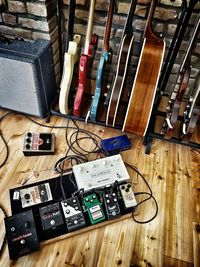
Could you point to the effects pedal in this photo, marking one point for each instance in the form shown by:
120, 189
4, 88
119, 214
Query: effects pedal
51, 216
111, 204
21, 234
34, 195
101, 172
128, 196
38, 144
73, 214
94, 209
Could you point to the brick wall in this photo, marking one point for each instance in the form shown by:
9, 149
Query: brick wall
37, 19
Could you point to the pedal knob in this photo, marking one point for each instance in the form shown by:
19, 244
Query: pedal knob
104, 163
29, 134
28, 146
52, 222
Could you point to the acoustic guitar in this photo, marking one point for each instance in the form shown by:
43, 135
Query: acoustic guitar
71, 56
121, 69
105, 57
191, 113
146, 80
176, 97
90, 44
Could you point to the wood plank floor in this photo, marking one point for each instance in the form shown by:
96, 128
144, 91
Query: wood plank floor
172, 171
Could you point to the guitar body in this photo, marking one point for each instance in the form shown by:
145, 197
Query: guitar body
95, 102
144, 87
70, 58
86, 57
191, 113
145, 82
120, 76
174, 105
81, 85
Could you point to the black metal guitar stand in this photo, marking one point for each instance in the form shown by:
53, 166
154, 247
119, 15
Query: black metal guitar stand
151, 134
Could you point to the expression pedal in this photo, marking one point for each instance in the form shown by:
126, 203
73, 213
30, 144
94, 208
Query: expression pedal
21, 234
73, 214
100, 173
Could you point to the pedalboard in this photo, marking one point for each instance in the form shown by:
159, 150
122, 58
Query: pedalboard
115, 145
73, 214
94, 208
51, 216
128, 196
38, 144
111, 204
34, 195
21, 234
100, 173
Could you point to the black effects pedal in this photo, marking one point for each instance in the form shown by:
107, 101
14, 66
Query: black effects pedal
38, 144
73, 214
111, 204
21, 234
51, 216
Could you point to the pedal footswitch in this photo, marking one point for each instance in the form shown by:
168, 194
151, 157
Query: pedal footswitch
73, 214
36, 144
128, 196
94, 209
51, 216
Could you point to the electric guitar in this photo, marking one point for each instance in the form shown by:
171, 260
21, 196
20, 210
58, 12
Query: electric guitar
71, 56
191, 113
105, 57
120, 73
174, 103
90, 44
187, 9
146, 79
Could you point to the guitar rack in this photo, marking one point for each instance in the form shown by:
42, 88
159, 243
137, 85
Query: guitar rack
151, 133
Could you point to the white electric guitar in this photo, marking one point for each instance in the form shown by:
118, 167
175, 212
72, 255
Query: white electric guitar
71, 56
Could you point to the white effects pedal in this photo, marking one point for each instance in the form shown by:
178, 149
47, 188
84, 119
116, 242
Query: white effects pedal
100, 173
128, 196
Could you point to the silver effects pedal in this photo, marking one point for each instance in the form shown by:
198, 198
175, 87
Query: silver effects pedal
36, 144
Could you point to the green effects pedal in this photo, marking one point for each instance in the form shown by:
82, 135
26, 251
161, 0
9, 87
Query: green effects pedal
94, 209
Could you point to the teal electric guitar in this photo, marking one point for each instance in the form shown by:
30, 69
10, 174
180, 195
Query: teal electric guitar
105, 57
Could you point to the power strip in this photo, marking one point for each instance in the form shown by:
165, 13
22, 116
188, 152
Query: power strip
100, 173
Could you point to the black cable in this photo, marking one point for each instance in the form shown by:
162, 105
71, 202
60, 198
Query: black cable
150, 196
78, 157
4, 240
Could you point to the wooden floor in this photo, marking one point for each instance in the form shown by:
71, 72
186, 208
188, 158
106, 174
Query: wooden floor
171, 239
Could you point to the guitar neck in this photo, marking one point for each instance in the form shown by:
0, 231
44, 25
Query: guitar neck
148, 33
70, 26
89, 27
176, 42
128, 29
108, 26
191, 45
